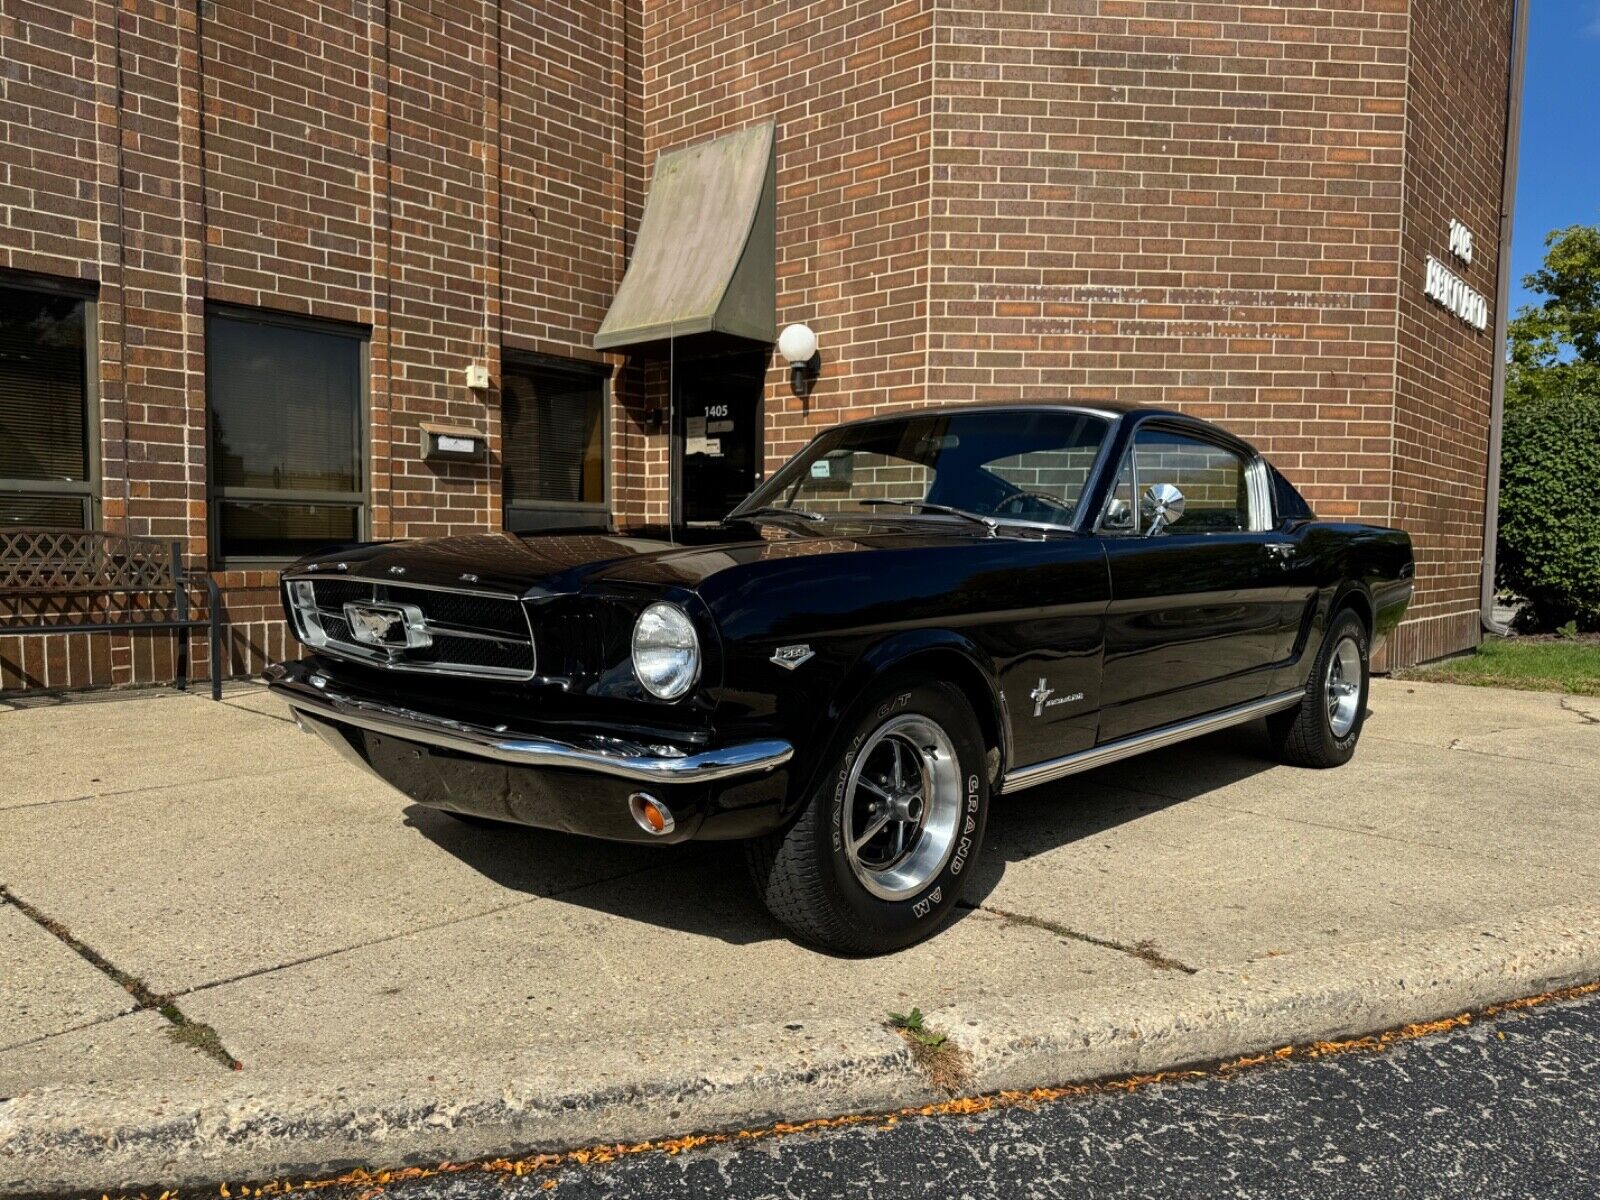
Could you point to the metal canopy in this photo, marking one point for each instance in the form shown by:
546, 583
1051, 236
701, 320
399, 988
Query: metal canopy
704, 261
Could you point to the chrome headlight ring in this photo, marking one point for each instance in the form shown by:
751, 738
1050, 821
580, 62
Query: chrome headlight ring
666, 651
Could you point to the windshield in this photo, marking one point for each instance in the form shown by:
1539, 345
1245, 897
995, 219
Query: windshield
1012, 465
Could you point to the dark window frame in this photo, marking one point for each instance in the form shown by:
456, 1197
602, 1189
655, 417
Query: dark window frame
553, 515
88, 489
216, 494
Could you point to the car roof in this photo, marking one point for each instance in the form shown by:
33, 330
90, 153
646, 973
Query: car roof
1109, 409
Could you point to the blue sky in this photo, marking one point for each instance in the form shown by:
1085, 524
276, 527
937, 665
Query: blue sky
1558, 175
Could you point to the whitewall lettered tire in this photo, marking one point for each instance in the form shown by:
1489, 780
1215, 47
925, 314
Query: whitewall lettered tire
883, 844
1322, 730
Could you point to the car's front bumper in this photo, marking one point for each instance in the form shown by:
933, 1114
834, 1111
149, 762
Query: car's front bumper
581, 783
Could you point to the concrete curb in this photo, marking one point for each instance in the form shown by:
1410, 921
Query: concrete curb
173, 1133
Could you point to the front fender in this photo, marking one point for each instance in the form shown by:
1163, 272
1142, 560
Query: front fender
942, 654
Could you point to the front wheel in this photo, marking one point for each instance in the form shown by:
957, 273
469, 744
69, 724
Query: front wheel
877, 856
1322, 730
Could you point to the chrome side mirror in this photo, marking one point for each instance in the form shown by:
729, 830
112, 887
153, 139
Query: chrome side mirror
1163, 505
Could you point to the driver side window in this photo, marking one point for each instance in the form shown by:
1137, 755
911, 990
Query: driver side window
1212, 479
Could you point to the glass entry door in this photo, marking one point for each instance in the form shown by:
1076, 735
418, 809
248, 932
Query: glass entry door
718, 436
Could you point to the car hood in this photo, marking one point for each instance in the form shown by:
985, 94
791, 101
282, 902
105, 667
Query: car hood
558, 563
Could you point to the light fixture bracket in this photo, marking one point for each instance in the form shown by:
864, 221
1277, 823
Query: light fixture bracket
803, 374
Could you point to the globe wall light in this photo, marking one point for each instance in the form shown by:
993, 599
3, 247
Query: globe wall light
798, 345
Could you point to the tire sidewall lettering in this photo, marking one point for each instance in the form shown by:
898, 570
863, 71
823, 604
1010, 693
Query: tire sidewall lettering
934, 903
840, 784
958, 860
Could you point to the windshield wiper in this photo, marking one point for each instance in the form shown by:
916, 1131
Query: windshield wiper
988, 523
776, 510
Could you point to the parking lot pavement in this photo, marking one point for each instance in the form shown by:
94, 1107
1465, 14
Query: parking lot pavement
1431, 1119
305, 921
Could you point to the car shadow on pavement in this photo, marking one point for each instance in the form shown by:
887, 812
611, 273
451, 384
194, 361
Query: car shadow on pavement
702, 888
1034, 822
695, 887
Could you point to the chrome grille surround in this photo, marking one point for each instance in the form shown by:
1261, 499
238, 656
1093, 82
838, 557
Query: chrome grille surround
479, 634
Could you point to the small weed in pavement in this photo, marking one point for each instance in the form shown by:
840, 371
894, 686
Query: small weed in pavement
911, 1025
940, 1060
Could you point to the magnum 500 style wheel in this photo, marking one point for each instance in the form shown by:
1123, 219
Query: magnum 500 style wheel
876, 858
1322, 730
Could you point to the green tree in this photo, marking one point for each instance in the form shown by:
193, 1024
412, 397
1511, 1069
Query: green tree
1554, 347
1549, 551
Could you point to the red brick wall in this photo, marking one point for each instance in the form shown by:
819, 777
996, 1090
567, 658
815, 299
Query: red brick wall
1225, 207
1178, 204
849, 85
1194, 205
453, 176
1454, 145
67, 136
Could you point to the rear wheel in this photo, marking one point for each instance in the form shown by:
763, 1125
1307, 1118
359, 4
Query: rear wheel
876, 858
1322, 730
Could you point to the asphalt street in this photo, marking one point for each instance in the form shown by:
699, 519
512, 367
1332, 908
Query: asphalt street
1503, 1108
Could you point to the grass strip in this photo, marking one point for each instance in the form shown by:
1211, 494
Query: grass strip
1540, 664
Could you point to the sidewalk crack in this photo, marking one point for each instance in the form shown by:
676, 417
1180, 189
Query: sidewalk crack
197, 1035
496, 910
1586, 718
1145, 951
151, 787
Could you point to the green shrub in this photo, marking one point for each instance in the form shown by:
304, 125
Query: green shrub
1550, 508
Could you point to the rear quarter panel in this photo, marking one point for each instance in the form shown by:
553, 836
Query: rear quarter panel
1370, 566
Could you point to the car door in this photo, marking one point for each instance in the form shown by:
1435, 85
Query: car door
1196, 614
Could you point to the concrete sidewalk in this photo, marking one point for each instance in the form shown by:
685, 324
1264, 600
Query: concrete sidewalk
395, 984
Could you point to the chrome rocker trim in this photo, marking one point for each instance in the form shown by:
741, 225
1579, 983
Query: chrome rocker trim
308, 693
1099, 756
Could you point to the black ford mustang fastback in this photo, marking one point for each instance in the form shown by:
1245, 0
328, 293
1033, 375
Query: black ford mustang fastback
915, 613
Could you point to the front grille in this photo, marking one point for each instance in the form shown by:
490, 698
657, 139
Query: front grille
469, 633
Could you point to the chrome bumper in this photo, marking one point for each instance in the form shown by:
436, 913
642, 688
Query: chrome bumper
314, 695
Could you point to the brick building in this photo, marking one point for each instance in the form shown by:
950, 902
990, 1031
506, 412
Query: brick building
277, 272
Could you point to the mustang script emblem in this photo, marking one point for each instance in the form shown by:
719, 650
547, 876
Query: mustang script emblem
389, 626
790, 657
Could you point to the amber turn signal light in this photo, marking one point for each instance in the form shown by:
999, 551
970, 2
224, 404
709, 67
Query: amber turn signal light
650, 814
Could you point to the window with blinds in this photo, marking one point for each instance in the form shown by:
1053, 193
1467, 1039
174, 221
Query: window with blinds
45, 464
284, 402
553, 444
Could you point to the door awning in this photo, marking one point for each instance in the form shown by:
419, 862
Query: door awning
704, 261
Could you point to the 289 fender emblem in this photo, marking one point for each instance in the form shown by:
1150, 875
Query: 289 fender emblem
790, 657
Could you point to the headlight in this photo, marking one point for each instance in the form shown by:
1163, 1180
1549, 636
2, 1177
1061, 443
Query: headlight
666, 652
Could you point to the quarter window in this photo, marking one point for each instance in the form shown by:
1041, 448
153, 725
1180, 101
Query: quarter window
553, 444
1212, 478
287, 463
46, 470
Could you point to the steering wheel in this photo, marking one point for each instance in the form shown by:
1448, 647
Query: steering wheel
1025, 504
